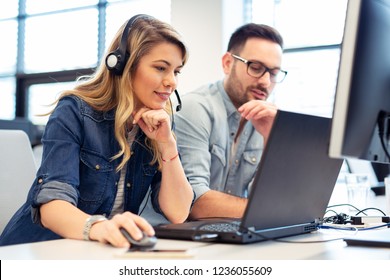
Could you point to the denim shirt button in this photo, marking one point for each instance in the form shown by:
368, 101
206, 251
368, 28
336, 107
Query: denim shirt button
40, 180
253, 159
97, 166
128, 185
236, 161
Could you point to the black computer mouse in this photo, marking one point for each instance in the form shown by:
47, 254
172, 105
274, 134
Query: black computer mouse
146, 242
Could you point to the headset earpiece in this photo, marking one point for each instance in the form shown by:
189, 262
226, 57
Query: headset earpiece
116, 60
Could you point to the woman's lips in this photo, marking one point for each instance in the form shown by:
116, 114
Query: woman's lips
163, 96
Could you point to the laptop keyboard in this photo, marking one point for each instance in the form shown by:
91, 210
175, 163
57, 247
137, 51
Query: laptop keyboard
221, 227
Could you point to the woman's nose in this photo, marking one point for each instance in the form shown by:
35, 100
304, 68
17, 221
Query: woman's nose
170, 80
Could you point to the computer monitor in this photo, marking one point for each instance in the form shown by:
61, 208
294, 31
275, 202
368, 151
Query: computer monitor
361, 116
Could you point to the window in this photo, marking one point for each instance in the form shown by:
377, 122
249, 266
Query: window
8, 53
38, 62
65, 45
312, 31
7, 97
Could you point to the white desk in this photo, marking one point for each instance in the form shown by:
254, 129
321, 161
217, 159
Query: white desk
332, 250
65, 249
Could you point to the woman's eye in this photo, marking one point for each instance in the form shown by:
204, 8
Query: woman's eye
160, 68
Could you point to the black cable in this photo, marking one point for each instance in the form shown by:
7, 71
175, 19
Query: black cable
347, 204
339, 218
371, 208
331, 211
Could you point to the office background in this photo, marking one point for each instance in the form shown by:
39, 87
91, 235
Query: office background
47, 44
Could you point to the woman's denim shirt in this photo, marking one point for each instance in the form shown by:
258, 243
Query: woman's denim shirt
77, 167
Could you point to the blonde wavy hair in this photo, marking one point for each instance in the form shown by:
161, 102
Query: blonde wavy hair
104, 90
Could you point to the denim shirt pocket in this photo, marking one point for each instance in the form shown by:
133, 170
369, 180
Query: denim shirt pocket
251, 157
250, 165
218, 153
95, 173
148, 172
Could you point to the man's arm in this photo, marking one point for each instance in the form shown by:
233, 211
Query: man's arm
218, 204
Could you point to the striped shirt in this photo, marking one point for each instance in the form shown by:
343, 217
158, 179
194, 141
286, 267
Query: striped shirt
118, 203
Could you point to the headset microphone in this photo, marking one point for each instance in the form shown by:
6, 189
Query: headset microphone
178, 107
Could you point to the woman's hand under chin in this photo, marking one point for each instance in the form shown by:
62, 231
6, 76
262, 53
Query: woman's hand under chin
156, 124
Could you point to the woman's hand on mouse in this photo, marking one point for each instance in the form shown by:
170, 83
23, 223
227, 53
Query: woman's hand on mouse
108, 231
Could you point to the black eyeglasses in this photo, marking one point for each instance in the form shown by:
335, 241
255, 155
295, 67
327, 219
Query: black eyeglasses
256, 69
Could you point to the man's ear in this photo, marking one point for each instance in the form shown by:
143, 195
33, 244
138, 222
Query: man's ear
227, 62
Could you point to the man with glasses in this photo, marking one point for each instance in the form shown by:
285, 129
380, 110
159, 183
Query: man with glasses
223, 127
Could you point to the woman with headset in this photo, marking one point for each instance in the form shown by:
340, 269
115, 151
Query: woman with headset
107, 143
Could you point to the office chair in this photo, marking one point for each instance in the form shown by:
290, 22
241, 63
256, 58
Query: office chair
17, 172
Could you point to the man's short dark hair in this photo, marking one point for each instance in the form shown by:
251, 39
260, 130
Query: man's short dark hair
253, 30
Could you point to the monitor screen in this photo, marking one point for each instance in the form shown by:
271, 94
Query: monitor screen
361, 115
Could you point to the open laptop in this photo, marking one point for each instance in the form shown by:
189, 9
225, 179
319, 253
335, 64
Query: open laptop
290, 192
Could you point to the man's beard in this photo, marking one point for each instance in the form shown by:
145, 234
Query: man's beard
237, 93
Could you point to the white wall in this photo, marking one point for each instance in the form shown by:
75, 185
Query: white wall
206, 26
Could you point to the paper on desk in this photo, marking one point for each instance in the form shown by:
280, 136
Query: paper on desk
157, 254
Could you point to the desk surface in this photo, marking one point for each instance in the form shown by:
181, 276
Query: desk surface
65, 249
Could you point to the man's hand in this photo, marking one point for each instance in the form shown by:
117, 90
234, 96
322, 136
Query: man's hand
261, 114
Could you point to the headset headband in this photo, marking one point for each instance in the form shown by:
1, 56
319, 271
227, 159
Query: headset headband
116, 60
